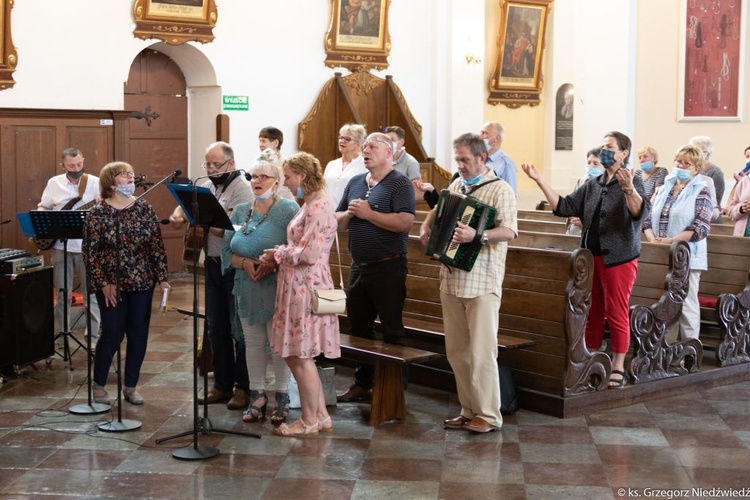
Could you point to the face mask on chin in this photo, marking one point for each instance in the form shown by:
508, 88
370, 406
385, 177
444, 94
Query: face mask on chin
219, 180
125, 190
265, 196
74, 175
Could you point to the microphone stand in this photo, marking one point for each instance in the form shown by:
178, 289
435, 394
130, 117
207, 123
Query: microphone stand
121, 425
92, 408
202, 424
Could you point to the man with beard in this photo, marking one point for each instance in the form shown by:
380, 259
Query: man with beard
231, 383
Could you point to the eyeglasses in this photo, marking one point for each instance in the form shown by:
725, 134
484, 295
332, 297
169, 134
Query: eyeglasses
260, 177
345, 139
207, 164
683, 163
125, 173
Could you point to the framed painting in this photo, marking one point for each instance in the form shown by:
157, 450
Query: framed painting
517, 78
711, 60
7, 49
175, 21
358, 34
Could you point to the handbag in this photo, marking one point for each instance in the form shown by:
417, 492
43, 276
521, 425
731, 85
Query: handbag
326, 380
330, 301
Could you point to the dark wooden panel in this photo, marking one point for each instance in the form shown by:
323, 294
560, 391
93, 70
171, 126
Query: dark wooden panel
94, 143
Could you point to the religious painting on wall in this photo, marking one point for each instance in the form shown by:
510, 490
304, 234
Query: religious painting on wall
711, 60
517, 77
358, 34
175, 21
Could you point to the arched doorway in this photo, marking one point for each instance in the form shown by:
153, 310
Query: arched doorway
156, 92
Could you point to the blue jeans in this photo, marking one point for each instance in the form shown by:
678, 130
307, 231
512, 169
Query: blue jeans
132, 317
376, 289
230, 365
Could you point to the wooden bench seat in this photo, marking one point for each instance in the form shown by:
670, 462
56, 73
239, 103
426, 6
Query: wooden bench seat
388, 399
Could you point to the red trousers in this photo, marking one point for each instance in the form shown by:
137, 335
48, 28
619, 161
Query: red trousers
610, 295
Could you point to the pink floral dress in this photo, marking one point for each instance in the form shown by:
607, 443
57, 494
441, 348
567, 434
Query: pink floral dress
303, 266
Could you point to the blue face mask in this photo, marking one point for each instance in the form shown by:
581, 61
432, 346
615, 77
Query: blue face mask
300, 193
682, 174
594, 172
607, 158
471, 182
647, 166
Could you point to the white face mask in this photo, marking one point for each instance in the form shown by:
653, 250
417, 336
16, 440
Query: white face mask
265, 196
487, 144
125, 190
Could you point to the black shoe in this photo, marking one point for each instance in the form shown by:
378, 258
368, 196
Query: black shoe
355, 394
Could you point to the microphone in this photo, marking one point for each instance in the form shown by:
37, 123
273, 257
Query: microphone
175, 175
6, 221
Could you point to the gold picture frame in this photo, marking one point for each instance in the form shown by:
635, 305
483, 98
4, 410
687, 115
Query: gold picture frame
175, 21
517, 78
358, 34
7, 49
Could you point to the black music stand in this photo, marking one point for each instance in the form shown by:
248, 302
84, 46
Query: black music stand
61, 225
201, 209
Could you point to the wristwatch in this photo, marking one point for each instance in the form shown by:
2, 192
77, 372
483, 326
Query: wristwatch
485, 240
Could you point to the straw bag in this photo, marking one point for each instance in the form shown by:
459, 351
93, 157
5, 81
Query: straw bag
330, 301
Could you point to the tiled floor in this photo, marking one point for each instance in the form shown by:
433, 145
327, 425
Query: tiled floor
701, 440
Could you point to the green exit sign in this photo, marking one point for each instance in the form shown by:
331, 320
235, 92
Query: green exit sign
235, 102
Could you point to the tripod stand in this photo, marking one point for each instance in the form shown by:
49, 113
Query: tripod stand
202, 209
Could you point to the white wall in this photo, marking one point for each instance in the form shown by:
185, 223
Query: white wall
76, 54
593, 47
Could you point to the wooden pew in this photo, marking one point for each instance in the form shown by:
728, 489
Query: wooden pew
543, 215
727, 279
542, 316
543, 226
656, 303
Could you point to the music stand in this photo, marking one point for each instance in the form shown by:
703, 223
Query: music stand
202, 209
61, 225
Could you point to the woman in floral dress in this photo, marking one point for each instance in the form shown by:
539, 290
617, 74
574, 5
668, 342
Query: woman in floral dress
299, 335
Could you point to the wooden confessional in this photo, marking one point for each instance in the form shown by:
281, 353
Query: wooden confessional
369, 100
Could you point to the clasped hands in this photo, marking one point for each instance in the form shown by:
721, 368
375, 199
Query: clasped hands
256, 269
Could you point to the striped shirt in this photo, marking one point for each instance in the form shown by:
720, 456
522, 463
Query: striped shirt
393, 194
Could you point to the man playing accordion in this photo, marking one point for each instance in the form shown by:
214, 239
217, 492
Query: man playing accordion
471, 299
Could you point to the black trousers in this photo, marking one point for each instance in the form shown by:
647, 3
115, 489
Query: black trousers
376, 289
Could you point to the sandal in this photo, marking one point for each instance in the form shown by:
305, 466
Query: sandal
281, 412
325, 425
298, 428
617, 383
257, 410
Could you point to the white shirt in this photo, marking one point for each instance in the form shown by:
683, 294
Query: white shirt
60, 191
337, 177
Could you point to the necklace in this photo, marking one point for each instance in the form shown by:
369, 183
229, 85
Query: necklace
370, 187
245, 229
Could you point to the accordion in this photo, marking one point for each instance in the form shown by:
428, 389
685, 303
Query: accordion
451, 209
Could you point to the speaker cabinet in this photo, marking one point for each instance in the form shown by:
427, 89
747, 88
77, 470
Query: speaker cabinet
26, 318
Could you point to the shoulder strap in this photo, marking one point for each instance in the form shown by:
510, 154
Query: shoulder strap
474, 188
82, 185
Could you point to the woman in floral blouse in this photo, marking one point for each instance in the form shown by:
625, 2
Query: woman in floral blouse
124, 254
